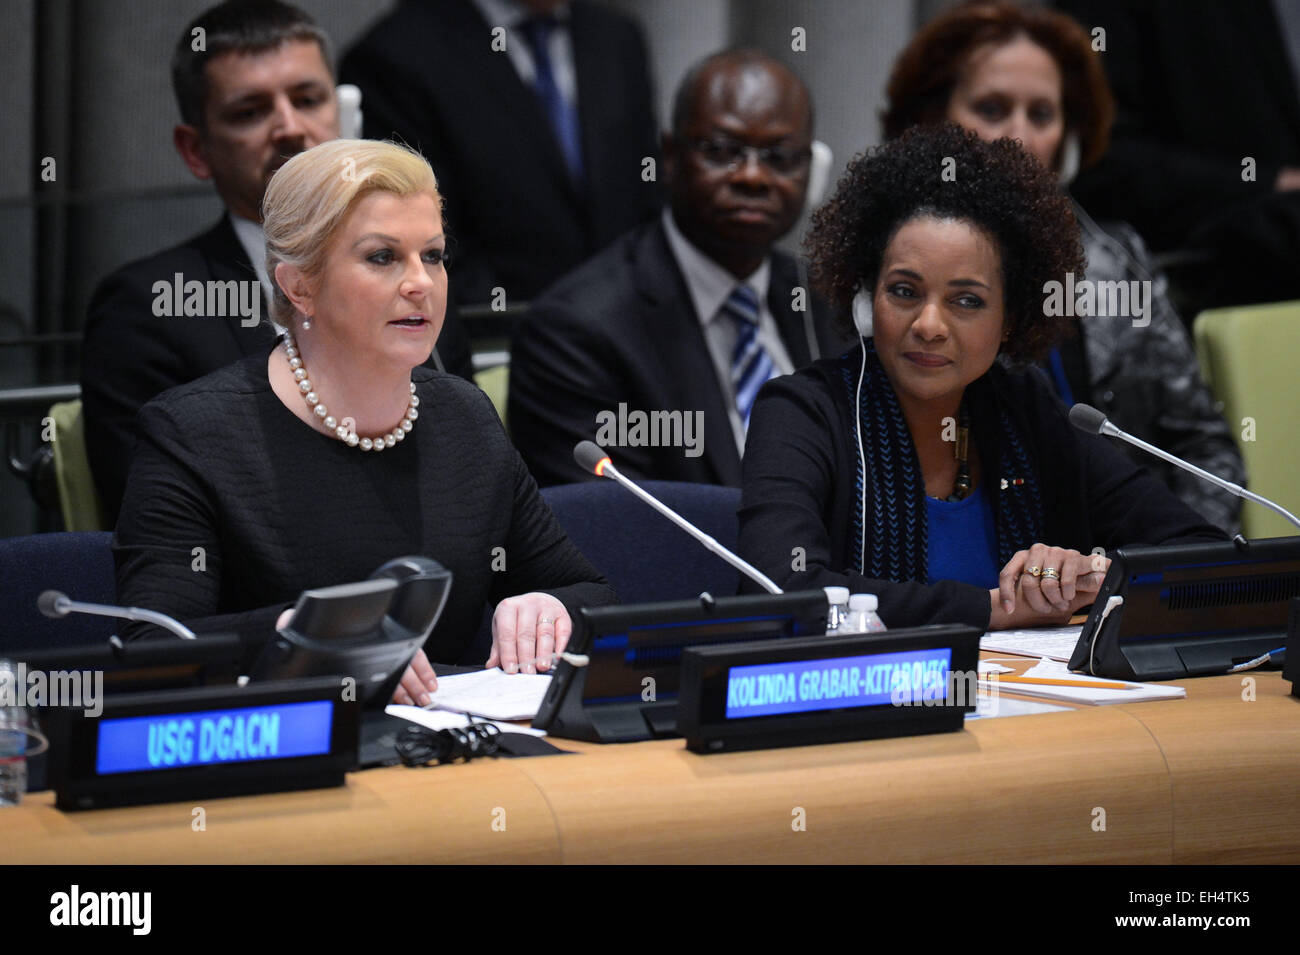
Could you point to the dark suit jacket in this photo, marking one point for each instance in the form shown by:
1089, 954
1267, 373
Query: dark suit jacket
129, 355
1200, 85
430, 77
623, 328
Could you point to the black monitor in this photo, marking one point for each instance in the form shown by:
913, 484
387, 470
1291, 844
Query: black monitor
1190, 609
628, 690
143, 665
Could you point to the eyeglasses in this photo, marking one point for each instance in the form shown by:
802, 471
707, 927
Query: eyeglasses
728, 154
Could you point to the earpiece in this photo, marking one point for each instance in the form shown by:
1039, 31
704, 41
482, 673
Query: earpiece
1069, 164
863, 322
862, 314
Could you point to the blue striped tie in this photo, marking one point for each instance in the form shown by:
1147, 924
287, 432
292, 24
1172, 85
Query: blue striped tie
751, 365
563, 115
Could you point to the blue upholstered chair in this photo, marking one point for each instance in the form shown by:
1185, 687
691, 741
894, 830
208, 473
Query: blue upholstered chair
79, 564
644, 555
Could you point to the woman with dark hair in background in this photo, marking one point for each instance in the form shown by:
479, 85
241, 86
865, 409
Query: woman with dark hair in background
918, 467
1030, 73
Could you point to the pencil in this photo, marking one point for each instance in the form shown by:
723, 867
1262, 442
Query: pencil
1093, 684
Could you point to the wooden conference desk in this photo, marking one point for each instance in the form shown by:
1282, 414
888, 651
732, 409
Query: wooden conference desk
1209, 779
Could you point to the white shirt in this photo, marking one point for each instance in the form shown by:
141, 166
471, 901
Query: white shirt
253, 239
710, 285
559, 44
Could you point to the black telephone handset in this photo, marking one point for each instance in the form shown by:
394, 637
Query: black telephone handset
423, 588
368, 630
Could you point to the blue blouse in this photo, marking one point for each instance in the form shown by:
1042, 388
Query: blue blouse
963, 540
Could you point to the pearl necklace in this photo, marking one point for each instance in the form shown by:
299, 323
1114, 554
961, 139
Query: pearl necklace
347, 435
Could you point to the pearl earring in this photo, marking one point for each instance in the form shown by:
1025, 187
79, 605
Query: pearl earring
306, 324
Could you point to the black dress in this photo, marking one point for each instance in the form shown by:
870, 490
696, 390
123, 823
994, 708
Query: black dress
1055, 485
234, 506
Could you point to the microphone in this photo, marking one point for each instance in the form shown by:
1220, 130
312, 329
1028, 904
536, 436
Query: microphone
591, 457
1087, 418
52, 603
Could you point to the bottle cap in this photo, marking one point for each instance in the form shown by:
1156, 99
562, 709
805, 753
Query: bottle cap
837, 595
865, 602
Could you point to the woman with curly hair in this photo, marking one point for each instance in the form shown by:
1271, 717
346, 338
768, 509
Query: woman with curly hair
918, 467
1030, 73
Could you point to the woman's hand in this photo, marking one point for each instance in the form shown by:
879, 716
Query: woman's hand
417, 682
526, 631
1045, 585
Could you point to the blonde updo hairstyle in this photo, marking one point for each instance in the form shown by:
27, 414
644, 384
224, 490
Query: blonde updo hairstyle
311, 195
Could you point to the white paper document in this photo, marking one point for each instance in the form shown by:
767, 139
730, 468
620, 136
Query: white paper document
1054, 643
493, 693
1056, 670
446, 719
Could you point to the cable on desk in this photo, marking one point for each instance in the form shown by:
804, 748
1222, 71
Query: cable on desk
1111, 604
1259, 661
419, 745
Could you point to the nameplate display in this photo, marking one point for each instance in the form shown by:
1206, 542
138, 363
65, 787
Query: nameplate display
198, 743
177, 740
802, 691
873, 679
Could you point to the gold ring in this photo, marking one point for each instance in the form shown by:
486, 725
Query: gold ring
1051, 573
1034, 571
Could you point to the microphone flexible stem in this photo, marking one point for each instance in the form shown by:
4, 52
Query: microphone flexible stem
130, 613
741, 565
1236, 489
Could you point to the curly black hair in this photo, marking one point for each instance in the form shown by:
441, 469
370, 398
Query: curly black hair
996, 186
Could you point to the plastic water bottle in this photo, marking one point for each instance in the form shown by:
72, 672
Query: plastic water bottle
13, 737
837, 611
862, 614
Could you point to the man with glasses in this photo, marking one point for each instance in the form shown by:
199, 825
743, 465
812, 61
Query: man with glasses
657, 346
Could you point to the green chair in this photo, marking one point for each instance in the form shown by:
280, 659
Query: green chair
1249, 358
77, 497
495, 382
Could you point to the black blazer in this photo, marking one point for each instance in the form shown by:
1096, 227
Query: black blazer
278, 507
129, 355
430, 77
623, 328
800, 489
